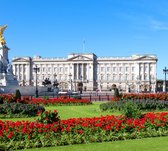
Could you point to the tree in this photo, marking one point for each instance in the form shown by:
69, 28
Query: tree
46, 82
116, 91
55, 84
17, 94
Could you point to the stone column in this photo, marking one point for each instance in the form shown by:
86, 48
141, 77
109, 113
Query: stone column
51, 70
77, 71
82, 78
23, 80
41, 77
14, 69
143, 71
19, 73
72, 70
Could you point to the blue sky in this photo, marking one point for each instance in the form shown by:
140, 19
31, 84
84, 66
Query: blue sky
55, 28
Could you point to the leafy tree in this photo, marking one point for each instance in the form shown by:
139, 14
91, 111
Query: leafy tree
17, 94
46, 82
55, 84
116, 91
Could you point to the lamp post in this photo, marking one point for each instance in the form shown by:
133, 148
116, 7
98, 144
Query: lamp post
36, 69
80, 84
165, 71
70, 75
150, 78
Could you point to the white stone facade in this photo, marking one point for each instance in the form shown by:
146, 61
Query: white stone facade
135, 73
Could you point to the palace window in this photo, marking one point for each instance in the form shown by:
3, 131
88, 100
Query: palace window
49, 69
126, 69
126, 77
66, 69
133, 77
120, 77
133, 69
120, 69
101, 77
60, 69
114, 69
108, 77
113, 77
55, 69
43, 69
102, 69
108, 69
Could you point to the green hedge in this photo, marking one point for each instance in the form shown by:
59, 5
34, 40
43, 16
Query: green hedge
147, 105
19, 110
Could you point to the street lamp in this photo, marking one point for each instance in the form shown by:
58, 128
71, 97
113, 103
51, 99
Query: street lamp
165, 71
70, 75
80, 84
36, 69
150, 86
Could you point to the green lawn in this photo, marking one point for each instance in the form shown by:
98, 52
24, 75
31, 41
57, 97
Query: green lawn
66, 112
146, 144
92, 110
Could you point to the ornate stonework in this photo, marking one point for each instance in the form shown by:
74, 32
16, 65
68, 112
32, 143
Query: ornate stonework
135, 73
6, 75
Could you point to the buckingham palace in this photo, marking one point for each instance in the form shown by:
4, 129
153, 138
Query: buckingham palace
135, 73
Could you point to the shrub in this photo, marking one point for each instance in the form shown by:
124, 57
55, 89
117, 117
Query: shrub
131, 110
78, 97
19, 110
17, 95
48, 117
116, 92
145, 105
106, 106
1, 100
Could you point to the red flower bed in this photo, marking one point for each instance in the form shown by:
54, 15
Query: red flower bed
59, 101
42, 101
7, 97
82, 130
151, 96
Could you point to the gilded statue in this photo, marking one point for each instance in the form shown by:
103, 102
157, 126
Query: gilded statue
2, 40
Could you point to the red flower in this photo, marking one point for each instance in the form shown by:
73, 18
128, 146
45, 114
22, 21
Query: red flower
10, 135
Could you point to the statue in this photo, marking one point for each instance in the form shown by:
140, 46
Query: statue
7, 78
2, 40
9, 68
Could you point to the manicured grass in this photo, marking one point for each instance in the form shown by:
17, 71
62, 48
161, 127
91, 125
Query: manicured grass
66, 112
92, 110
146, 144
